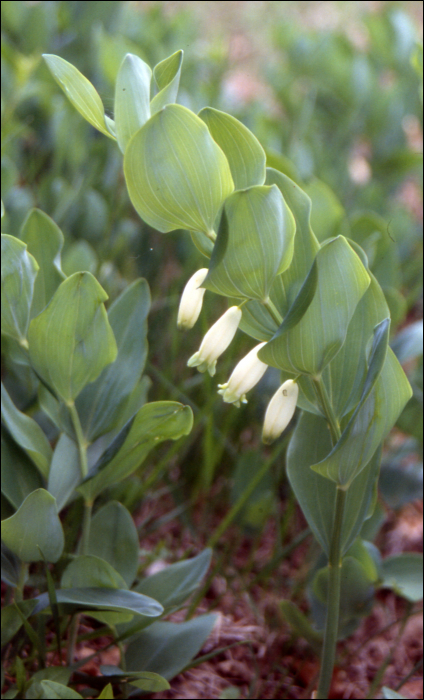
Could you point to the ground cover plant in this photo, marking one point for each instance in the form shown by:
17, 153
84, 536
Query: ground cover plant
318, 309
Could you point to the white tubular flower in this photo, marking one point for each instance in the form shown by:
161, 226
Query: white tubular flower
280, 411
244, 377
216, 340
191, 300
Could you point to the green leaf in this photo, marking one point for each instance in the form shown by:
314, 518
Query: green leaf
113, 537
148, 682
35, 532
52, 690
132, 98
18, 272
310, 345
100, 404
166, 648
71, 341
102, 599
65, 472
254, 244
107, 693
44, 241
404, 574
351, 361
244, 153
154, 423
19, 477
26, 433
173, 585
306, 245
301, 625
11, 621
89, 571
166, 76
80, 92
327, 213
176, 175
316, 495
372, 419
10, 567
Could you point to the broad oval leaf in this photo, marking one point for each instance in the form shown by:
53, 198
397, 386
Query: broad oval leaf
310, 345
176, 175
80, 92
254, 244
174, 584
44, 241
244, 153
26, 433
167, 647
404, 574
154, 423
51, 690
100, 404
132, 98
113, 537
372, 419
71, 341
103, 599
18, 273
166, 76
11, 618
316, 495
89, 571
35, 532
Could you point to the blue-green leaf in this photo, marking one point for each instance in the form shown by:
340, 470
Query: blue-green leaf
132, 98
18, 272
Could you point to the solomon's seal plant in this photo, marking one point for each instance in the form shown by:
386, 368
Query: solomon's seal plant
318, 313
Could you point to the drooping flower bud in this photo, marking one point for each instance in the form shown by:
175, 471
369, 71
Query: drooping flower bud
244, 377
191, 300
216, 340
280, 411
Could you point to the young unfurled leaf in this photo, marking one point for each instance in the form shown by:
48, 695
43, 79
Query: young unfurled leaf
244, 153
132, 98
79, 91
166, 76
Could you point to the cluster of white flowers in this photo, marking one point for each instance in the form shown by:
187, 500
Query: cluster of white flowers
247, 372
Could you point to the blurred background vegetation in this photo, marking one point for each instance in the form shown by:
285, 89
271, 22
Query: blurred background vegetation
333, 92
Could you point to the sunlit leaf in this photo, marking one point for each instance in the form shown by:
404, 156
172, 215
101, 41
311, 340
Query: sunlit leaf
177, 176
254, 244
79, 91
132, 98
166, 76
244, 153
155, 422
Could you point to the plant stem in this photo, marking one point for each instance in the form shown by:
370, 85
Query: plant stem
333, 600
81, 441
334, 559
273, 311
324, 399
88, 505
